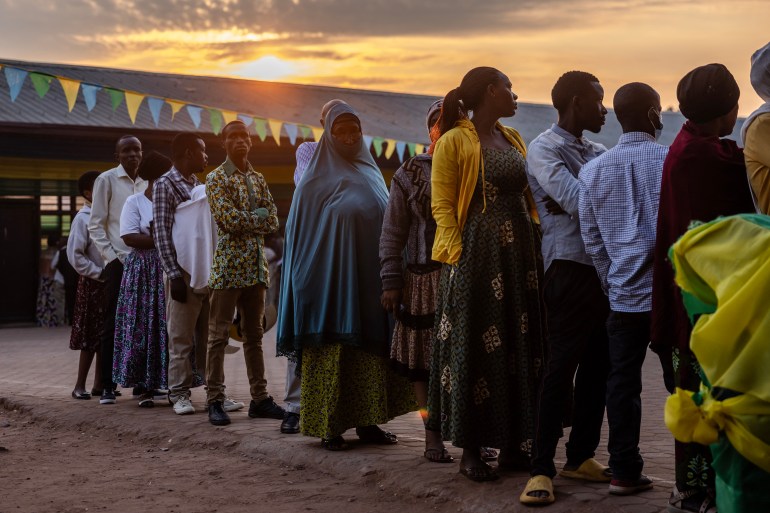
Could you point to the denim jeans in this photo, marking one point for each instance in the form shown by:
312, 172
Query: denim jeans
577, 311
629, 334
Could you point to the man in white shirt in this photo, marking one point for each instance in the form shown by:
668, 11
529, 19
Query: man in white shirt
111, 189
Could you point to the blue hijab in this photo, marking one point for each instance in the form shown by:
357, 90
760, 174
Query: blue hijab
330, 282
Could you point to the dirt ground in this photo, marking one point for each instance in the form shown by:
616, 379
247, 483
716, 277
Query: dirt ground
50, 467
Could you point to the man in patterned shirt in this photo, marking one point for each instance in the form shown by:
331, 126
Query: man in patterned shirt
619, 195
244, 212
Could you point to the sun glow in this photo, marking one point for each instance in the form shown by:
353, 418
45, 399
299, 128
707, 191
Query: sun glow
269, 67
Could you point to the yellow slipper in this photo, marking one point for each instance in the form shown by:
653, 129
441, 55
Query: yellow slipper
538, 484
589, 470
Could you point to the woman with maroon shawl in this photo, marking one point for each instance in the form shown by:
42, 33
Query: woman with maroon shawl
704, 177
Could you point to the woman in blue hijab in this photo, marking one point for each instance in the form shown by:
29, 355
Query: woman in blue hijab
330, 316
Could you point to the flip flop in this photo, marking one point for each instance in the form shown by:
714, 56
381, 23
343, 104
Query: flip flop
375, 435
334, 444
538, 484
436, 455
81, 395
479, 473
589, 470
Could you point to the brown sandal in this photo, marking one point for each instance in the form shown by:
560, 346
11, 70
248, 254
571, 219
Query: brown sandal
436, 455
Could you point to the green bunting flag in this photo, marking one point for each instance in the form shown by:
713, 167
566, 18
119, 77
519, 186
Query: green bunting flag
41, 83
116, 97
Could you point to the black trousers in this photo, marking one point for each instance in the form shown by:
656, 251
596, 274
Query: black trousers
577, 311
113, 274
629, 335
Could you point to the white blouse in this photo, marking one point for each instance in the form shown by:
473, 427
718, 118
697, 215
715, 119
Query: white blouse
136, 215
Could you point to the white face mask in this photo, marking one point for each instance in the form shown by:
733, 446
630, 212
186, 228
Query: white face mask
659, 118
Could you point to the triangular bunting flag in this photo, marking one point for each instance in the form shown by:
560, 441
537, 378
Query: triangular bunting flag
41, 83
215, 117
15, 78
133, 101
400, 147
377, 143
89, 95
305, 132
317, 132
228, 115
411, 147
116, 97
275, 130
260, 127
291, 131
391, 148
175, 107
155, 105
195, 115
71, 88
247, 120
368, 141
419, 149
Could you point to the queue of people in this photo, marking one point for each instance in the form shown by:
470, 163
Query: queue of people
505, 291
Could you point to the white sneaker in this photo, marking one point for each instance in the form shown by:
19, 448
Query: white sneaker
231, 405
183, 406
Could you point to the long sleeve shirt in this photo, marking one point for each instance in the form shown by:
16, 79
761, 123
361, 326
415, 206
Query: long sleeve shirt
553, 163
757, 155
111, 190
304, 154
168, 192
408, 223
82, 253
619, 197
235, 198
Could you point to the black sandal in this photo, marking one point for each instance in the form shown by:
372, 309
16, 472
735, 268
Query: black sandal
375, 435
334, 444
81, 395
488, 453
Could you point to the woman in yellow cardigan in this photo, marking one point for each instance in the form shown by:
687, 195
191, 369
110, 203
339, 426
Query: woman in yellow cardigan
488, 351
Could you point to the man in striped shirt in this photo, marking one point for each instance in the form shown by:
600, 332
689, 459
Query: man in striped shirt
618, 205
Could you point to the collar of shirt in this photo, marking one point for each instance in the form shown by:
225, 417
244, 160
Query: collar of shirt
230, 169
177, 175
122, 173
635, 137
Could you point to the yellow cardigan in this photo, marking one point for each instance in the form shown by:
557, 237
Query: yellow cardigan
455, 169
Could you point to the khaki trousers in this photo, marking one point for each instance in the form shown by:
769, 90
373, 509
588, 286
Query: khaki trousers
187, 325
251, 304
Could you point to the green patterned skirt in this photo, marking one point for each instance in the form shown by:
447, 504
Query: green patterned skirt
344, 387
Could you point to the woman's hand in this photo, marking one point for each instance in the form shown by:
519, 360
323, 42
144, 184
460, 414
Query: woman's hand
391, 301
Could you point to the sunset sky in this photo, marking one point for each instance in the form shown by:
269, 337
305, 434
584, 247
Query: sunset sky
415, 46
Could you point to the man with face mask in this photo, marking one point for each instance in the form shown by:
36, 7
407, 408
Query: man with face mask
619, 195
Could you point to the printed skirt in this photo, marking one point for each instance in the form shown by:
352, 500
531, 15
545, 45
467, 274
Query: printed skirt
88, 318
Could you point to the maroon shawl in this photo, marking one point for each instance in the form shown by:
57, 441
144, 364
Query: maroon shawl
704, 177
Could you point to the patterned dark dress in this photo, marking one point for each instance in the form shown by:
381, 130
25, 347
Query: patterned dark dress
488, 352
88, 319
141, 340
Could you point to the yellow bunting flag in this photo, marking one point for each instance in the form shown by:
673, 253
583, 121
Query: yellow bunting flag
71, 88
275, 129
419, 149
317, 132
229, 115
133, 101
175, 107
391, 147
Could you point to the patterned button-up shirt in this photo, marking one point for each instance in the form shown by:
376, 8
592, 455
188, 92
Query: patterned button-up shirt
169, 190
620, 192
235, 198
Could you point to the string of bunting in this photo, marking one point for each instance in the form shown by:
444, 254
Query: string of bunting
41, 82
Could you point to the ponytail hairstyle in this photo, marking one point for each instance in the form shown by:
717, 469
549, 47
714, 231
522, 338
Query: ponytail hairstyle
467, 97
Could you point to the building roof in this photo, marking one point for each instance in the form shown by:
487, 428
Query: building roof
398, 116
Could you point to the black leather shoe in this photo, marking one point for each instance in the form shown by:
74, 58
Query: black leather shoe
217, 415
290, 424
266, 409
